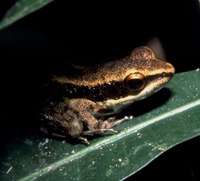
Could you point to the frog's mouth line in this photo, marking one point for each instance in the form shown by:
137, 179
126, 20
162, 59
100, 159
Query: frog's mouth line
156, 77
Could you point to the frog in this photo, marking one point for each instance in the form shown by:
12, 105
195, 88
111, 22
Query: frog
85, 102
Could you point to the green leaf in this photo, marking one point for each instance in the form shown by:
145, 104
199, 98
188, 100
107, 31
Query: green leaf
112, 157
21, 9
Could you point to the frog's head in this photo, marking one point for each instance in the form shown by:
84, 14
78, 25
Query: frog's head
137, 77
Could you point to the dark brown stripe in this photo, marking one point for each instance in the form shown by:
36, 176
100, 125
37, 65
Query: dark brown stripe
96, 93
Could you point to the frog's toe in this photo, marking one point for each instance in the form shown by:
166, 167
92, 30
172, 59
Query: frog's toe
84, 140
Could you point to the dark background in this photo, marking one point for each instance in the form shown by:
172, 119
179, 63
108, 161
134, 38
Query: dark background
85, 34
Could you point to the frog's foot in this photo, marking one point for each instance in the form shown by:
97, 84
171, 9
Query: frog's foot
107, 126
92, 132
110, 123
98, 131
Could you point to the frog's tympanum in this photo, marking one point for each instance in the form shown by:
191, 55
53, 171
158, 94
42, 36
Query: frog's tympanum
79, 102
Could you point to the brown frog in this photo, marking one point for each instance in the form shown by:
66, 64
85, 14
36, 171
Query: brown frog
80, 101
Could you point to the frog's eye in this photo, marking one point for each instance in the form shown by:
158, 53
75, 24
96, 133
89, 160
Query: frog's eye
135, 82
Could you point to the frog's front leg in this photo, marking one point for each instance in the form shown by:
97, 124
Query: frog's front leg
107, 125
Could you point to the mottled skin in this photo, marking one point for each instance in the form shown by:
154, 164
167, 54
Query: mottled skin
80, 99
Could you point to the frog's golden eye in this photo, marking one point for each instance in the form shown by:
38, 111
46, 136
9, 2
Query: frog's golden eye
134, 82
